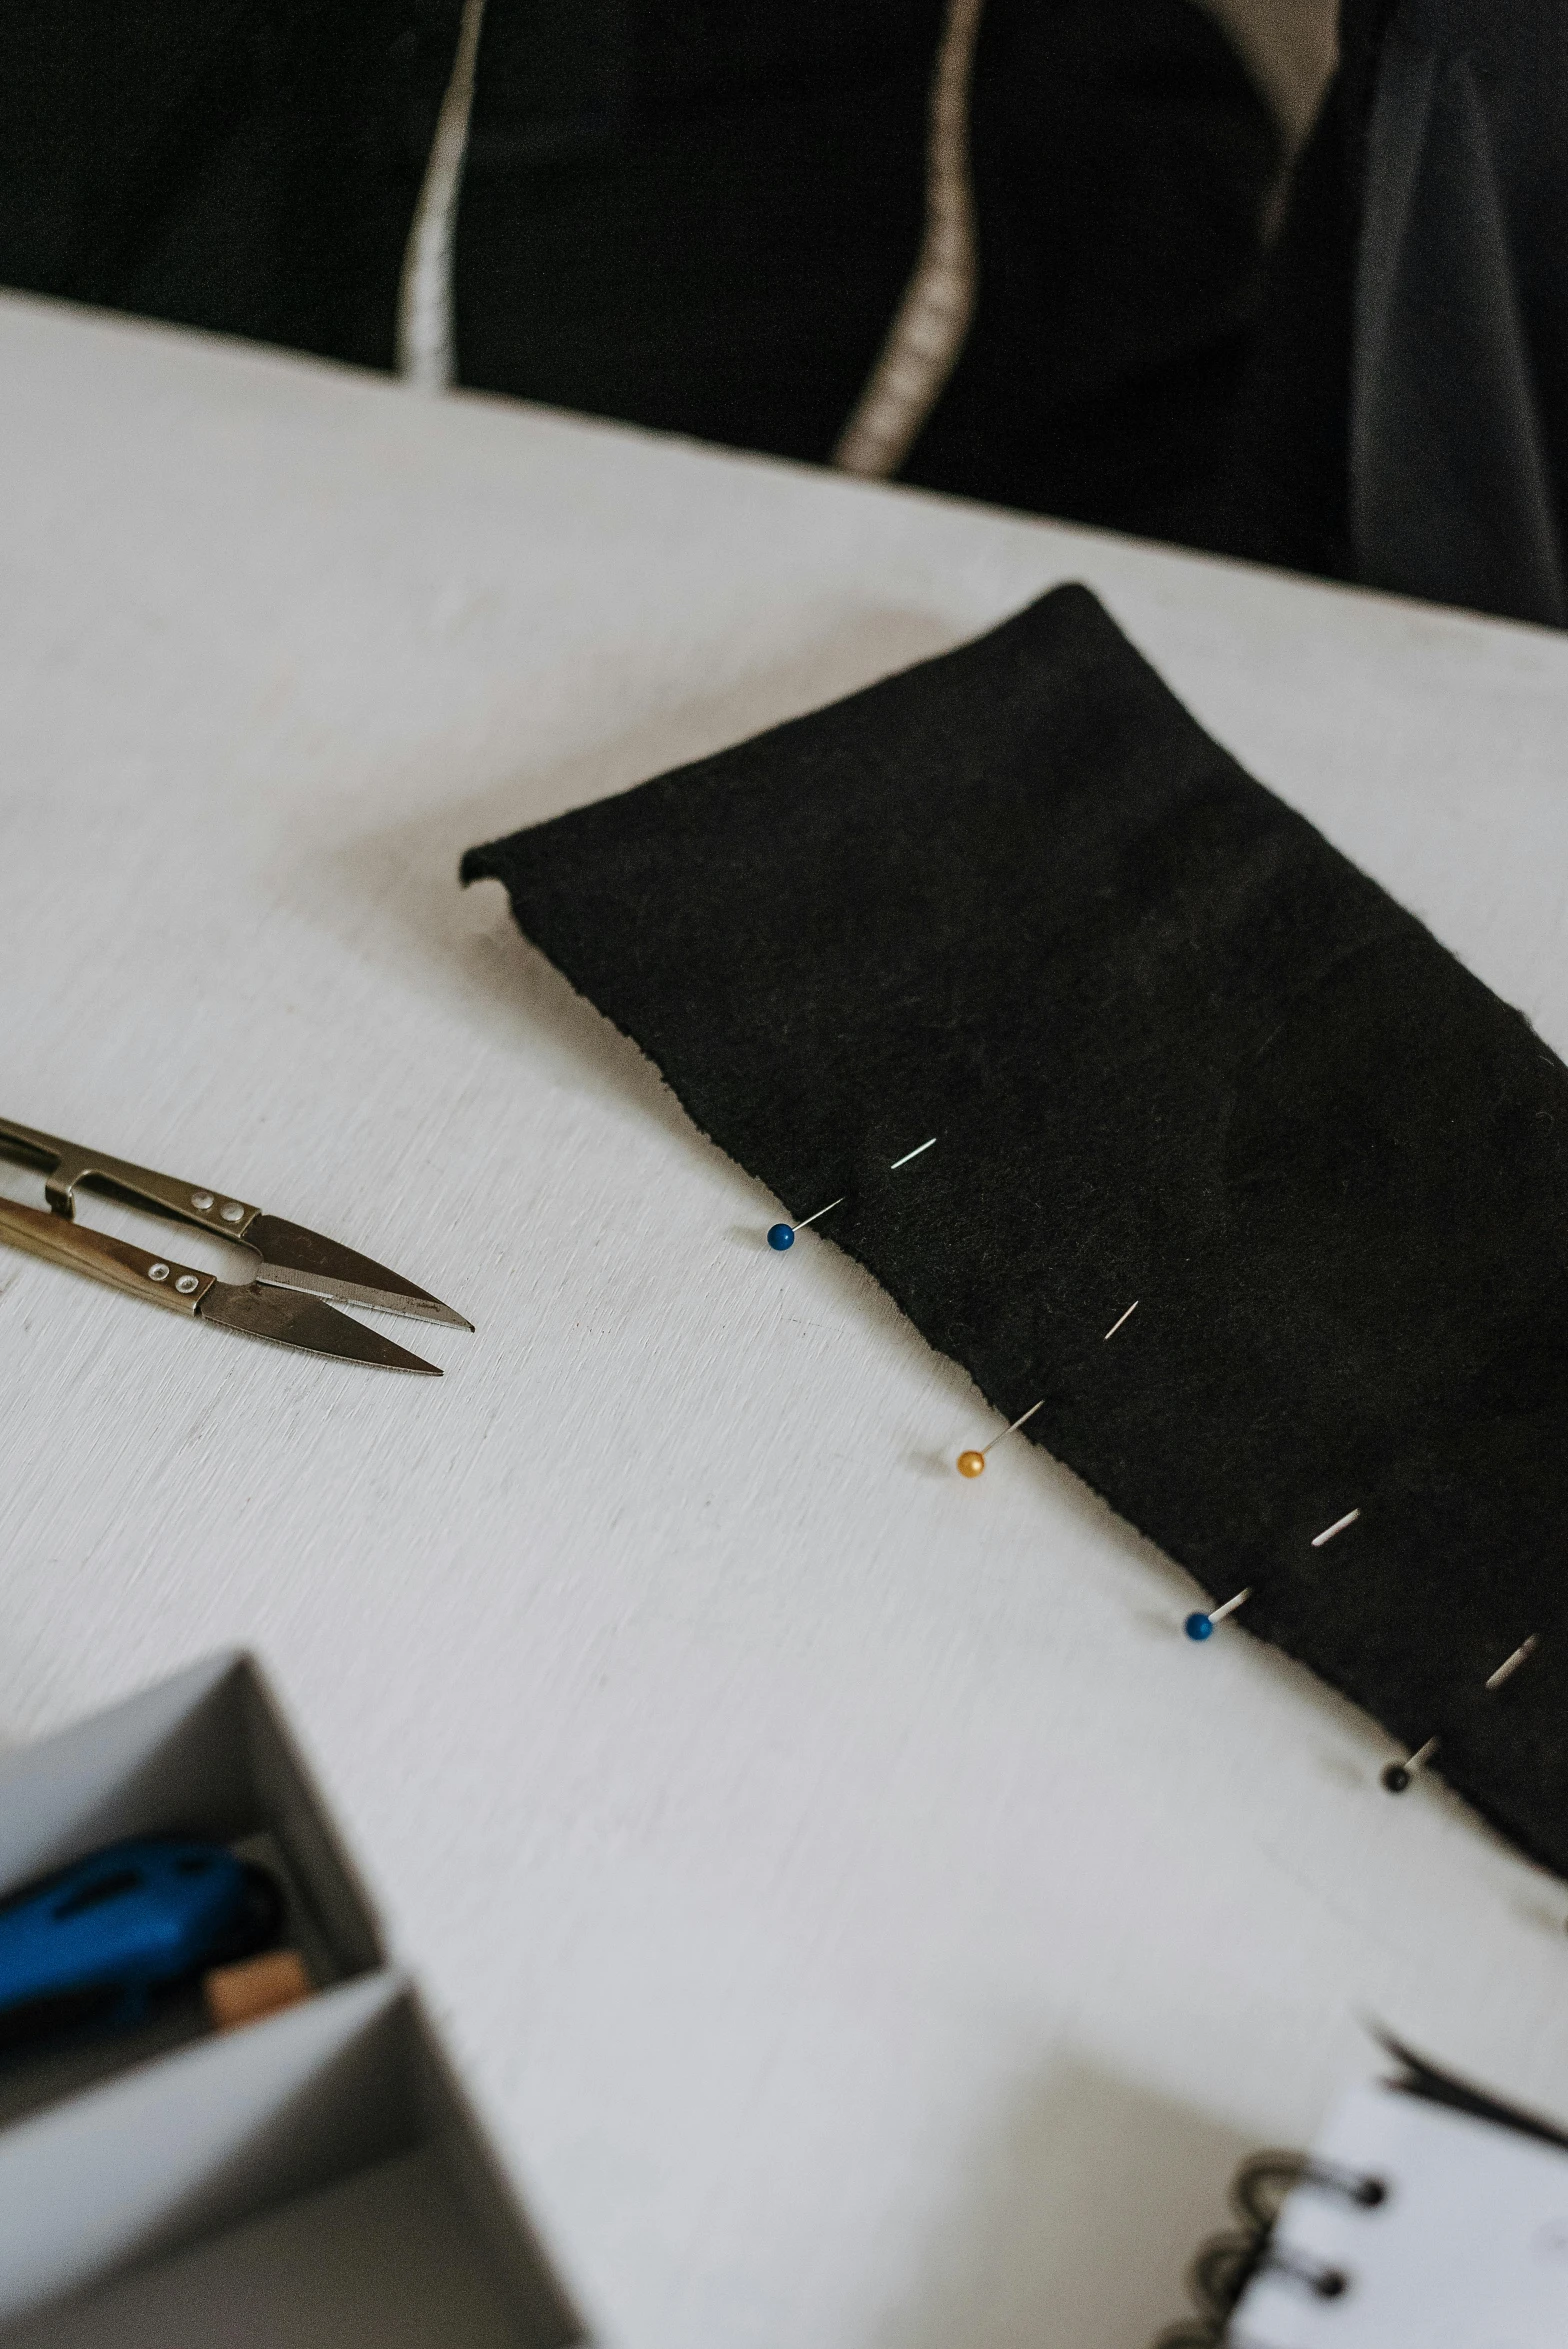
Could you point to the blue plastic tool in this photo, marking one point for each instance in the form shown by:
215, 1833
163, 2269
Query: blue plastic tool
91, 1944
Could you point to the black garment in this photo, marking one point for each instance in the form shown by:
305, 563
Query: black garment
693, 214
1406, 423
1123, 163
1175, 1049
246, 165
703, 217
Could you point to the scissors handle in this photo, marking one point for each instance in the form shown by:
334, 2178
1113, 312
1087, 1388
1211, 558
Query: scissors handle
157, 1278
65, 1164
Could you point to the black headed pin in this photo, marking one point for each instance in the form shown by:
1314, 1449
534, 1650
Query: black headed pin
1399, 1774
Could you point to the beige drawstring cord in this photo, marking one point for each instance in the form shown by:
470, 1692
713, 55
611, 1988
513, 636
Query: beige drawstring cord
932, 320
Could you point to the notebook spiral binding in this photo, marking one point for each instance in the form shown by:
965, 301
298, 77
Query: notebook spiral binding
1227, 2263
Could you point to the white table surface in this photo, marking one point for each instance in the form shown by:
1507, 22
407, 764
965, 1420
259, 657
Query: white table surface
864, 1921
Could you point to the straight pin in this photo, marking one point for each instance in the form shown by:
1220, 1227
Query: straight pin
973, 1463
782, 1235
1511, 1664
1399, 1774
1201, 1626
909, 1154
1116, 1325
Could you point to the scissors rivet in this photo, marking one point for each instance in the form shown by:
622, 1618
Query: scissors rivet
231, 1213
157, 1272
201, 1199
187, 1284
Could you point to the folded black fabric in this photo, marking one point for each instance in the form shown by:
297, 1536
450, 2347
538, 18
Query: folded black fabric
1176, 1049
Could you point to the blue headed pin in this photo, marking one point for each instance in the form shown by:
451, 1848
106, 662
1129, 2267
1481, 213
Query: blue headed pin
782, 1235
1204, 1626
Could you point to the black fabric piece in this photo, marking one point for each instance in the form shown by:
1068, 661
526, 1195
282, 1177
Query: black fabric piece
1405, 419
1176, 1048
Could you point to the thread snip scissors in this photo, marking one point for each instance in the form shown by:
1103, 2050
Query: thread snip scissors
299, 1278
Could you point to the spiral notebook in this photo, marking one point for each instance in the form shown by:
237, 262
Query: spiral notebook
1430, 2217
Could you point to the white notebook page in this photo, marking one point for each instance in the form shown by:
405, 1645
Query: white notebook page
1468, 2251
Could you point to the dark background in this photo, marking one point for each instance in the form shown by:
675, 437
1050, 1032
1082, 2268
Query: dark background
692, 214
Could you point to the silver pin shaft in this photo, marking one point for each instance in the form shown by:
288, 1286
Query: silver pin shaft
821, 1211
1511, 1664
1338, 1526
1116, 1325
807, 1220
1017, 1423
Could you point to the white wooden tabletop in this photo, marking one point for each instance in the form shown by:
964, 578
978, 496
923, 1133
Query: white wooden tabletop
863, 1919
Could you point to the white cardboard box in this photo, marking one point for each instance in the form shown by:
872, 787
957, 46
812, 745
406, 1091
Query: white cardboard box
317, 2177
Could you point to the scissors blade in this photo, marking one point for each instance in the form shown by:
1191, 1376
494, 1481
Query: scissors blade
293, 1258
284, 1318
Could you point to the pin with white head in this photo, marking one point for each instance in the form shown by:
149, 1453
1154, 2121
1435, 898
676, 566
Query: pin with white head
1399, 1774
782, 1235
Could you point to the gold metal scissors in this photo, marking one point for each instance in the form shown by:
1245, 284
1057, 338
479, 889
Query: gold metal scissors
297, 1271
